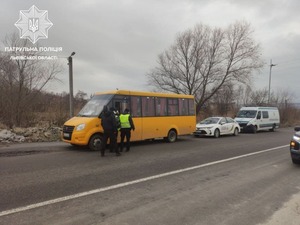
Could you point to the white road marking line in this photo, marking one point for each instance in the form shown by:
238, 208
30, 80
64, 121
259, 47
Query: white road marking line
70, 197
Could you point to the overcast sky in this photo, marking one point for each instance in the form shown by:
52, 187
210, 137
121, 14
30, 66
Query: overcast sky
117, 42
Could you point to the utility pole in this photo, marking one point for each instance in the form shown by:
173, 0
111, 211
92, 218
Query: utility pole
70, 63
271, 65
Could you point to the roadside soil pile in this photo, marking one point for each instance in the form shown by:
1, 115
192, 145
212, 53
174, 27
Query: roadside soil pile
30, 134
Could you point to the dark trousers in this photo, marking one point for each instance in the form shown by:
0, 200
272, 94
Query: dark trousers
125, 132
111, 135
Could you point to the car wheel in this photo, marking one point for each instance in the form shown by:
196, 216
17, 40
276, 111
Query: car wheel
217, 133
296, 161
95, 142
172, 136
236, 132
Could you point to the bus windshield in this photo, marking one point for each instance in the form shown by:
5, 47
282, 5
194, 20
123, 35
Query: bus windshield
94, 107
246, 114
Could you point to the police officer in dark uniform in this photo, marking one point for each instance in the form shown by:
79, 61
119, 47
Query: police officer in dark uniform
108, 123
118, 124
126, 127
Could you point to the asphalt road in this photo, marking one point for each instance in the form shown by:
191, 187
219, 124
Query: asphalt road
247, 179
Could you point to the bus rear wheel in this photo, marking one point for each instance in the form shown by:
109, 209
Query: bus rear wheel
95, 142
172, 136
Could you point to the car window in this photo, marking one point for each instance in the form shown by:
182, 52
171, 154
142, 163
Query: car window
265, 114
246, 114
229, 120
210, 120
223, 120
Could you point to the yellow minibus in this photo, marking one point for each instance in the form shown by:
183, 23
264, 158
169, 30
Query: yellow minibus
155, 115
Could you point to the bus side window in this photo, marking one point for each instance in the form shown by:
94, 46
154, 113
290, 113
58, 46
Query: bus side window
148, 106
172, 107
136, 106
191, 107
161, 106
183, 107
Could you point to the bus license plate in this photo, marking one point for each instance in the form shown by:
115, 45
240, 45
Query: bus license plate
67, 135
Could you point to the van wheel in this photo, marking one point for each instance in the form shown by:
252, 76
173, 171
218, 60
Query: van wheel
254, 129
236, 132
273, 128
172, 136
217, 133
95, 142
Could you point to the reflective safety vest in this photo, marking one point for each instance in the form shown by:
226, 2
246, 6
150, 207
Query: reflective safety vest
124, 119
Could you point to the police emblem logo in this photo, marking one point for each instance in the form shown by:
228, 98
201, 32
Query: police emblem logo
33, 24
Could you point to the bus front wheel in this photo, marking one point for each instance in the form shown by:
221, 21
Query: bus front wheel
172, 136
95, 142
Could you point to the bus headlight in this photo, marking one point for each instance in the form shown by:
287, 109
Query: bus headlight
80, 127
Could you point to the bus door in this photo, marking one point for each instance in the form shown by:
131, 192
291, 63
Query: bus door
122, 102
119, 103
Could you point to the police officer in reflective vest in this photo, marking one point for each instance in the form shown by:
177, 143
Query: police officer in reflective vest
126, 127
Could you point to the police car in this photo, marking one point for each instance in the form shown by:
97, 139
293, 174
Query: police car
216, 126
295, 146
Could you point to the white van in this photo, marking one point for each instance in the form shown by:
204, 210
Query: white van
258, 118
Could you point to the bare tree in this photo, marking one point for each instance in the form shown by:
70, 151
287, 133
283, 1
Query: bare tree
259, 97
203, 59
248, 97
81, 96
242, 95
281, 97
80, 100
224, 99
22, 80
